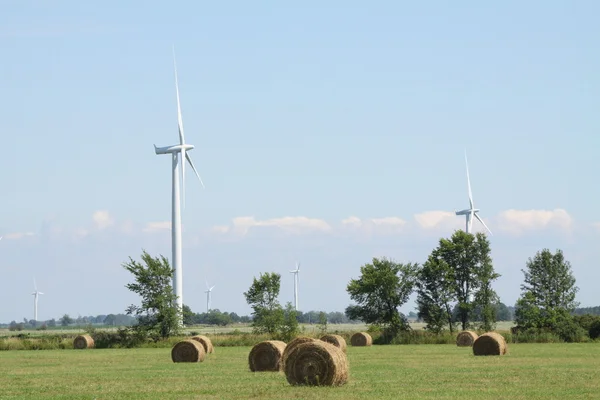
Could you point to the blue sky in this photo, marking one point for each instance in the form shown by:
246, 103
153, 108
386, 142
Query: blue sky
302, 116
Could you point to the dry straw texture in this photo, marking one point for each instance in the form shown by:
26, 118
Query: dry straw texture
83, 342
361, 339
293, 344
316, 363
489, 344
267, 356
206, 343
188, 351
466, 338
335, 340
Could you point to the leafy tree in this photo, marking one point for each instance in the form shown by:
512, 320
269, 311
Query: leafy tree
188, 315
503, 313
268, 316
466, 268
548, 292
289, 329
66, 320
322, 325
158, 314
383, 286
435, 294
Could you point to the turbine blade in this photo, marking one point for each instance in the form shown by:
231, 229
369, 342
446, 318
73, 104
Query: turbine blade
187, 156
212, 287
179, 119
469, 181
40, 292
483, 223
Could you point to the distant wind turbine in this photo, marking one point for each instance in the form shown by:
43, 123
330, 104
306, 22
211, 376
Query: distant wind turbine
295, 272
207, 291
179, 157
471, 211
36, 293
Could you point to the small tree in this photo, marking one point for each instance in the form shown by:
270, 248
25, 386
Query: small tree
66, 320
188, 315
289, 328
383, 286
158, 314
548, 292
435, 294
268, 316
322, 325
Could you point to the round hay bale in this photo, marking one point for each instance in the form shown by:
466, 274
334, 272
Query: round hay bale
466, 338
83, 342
266, 356
206, 343
188, 351
335, 340
316, 363
361, 339
489, 344
293, 344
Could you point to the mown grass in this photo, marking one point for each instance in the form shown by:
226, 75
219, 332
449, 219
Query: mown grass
529, 371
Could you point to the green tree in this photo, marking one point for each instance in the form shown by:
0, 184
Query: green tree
548, 292
435, 294
158, 315
383, 286
66, 320
262, 298
289, 329
188, 315
322, 325
469, 272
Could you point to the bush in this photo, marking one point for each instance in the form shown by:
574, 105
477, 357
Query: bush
594, 330
569, 330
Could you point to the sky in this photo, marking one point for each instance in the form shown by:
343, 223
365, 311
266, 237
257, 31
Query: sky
326, 133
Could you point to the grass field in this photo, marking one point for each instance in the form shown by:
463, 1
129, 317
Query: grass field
529, 371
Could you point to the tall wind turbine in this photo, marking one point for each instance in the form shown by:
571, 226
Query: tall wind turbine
179, 156
295, 272
471, 211
35, 301
207, 291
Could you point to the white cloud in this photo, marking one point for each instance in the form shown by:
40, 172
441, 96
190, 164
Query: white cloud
17, 235
152, 227
435, 219
371, 226
520, 221
295, 225
102, 219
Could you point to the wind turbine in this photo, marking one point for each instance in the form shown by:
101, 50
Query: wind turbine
207, 291
35, 301
179, 156
471, 211
295, 272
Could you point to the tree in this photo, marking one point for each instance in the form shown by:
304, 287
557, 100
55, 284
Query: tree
435, 294
66, 320
322, 325
383, 286
466, 267
268, 316
548, 292
188, 315
289, 328
158, 314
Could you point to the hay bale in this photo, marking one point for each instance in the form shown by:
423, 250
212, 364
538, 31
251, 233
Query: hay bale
188, 351
489, 344
361, 339
293, 344
83, 342
206, 343
335, 340
316, 363
466, 338
266, 356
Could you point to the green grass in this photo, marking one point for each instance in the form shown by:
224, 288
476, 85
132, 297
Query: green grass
529, 371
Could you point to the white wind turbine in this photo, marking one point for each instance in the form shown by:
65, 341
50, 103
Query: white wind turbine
207, 291
179, 156
295, 272
36, 293
471, 211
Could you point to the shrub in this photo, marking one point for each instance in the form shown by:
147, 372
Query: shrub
594, 330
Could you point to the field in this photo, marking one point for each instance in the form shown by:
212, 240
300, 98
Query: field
529, 371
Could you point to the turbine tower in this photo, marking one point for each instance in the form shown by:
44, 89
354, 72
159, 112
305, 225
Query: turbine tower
207, 291
179, 156
35, 301
471, 211
295, 272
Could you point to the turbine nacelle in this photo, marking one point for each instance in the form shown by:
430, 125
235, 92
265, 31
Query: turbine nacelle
176, 148
467, 211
